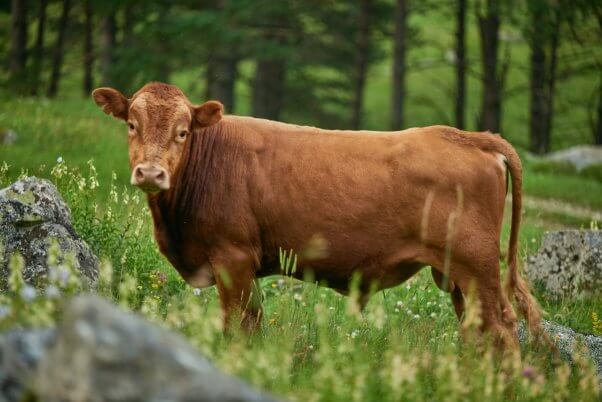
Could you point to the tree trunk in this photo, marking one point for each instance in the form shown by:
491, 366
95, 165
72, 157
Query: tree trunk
361, 63
460, 64
222, 66
129, 19
551, 87
222, 72
538, 79
39, 48
57, 60
598, 128
268, 88
88, 48
491, 110
107, 47
399, 64
18, 47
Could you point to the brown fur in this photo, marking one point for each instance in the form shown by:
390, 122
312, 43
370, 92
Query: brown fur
381, 202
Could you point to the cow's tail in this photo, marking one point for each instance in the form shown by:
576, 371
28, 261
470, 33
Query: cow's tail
515, 285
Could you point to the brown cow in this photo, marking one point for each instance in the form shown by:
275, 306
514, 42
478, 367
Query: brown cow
227, 192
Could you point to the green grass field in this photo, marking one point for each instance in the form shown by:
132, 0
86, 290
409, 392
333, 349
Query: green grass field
313, 345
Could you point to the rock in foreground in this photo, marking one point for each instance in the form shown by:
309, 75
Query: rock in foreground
568, 264
20, 355
100, 353
566, 340
32, 215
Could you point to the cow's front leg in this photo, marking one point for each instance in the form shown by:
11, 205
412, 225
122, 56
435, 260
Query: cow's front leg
239, 292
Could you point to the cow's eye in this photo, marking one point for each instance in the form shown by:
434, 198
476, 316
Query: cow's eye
182, 134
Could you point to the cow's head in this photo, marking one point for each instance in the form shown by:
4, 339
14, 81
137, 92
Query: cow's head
160, 120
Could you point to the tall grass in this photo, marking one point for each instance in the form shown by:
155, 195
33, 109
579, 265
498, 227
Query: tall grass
313, 345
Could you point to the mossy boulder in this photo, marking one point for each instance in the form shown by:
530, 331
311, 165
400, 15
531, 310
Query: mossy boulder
33, 216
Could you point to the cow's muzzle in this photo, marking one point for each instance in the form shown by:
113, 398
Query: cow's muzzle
150, 178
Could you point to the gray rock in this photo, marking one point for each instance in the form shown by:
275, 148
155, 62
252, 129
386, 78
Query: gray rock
566, 339
580, 156
32, 213
104, 354
568, 264
20, 354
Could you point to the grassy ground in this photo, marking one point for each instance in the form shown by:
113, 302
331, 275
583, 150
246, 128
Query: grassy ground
313, 344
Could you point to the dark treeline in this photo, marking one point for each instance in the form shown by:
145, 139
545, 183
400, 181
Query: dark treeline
310, 58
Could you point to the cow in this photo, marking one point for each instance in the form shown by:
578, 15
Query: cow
227, 193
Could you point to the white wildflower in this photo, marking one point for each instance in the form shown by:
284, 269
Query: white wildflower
4, 311
28, 293
52, 292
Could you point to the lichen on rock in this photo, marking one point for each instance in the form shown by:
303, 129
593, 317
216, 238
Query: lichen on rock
568, 264
33, 217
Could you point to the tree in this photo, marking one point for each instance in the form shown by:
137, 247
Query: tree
57, 60
361, 61
268, 86
271, 60
543, 32
223, 56
88, 48
491, 98
399, 64
107, 47
460, 101
18, 49
38, 53
598, 127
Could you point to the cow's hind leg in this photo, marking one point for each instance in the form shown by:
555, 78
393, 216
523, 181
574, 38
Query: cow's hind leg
444, 283
497, 318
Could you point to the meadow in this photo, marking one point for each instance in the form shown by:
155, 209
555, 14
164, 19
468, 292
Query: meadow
314, 345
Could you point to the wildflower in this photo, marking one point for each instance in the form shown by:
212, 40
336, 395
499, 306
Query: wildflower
52, 292
397, 310
297, 296
4, 311
399, 303
529, 372
28, 293
59, 159
196, 291
416, 316
330, 308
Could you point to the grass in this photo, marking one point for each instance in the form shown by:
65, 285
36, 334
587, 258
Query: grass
313, 344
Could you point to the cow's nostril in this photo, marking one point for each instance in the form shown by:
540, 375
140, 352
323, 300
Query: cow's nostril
139, 173
160, 175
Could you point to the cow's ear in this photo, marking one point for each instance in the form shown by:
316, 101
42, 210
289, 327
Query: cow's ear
208, 113
112, 102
